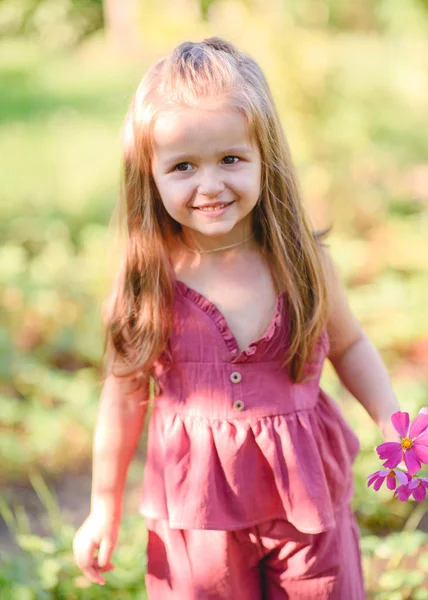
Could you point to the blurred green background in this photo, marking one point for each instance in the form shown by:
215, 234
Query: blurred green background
350, 80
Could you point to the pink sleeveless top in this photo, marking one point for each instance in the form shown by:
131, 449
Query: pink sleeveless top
233, 441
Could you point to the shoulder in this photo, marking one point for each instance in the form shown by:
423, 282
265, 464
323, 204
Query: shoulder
342, 326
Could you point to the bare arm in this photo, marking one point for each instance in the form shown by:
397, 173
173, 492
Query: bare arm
355, 359
118, 429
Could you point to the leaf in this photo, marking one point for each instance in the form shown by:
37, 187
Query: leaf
369, 544
49, 573
384, 550
406, 542
413, 578
21, 592
34, 543
391, 580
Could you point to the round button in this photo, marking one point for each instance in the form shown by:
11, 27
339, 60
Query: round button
239, 405
235, 377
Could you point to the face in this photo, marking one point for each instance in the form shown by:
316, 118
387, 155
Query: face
207, 171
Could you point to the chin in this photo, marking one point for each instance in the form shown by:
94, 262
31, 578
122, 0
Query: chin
214, 230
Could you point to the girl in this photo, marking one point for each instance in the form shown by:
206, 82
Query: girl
229, 301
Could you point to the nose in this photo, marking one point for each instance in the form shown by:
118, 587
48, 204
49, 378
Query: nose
210, 184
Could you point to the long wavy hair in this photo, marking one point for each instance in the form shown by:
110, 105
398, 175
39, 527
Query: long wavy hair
139, 311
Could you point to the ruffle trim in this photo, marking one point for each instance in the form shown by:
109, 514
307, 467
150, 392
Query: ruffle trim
230, 474
164, 362
210, 309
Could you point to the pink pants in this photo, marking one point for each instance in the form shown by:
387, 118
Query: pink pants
270, 561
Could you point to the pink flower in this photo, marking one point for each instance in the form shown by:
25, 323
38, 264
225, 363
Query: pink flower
403, 492
417, 487
389, 475
413, 447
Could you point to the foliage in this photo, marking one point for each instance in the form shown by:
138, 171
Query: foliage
352, 94
385, 574
45, 570
56, 22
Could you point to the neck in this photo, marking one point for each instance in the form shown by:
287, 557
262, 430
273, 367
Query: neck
219, 248
196, 242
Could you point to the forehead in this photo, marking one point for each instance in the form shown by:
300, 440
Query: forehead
204, 126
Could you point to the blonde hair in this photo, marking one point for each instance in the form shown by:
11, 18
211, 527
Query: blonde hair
140, 308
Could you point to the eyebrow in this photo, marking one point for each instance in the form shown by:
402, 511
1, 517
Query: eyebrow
227, 151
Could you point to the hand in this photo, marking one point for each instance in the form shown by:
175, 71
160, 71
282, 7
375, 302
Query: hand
389, 433
98, 532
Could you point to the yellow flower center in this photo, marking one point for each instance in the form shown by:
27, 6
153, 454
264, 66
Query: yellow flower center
406, 443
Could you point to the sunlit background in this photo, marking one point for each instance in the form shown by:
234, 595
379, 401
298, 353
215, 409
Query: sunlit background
351, 84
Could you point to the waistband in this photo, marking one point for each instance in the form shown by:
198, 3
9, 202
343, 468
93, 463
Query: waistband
234, 391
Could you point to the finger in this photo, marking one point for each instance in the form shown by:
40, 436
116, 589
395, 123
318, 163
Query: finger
84, 553
108, 567
93, 575
105, 552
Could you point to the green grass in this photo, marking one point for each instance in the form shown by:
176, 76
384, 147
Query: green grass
353, 105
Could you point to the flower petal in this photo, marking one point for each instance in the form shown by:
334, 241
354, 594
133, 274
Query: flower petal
391, 483
423, 439
421, 452
401, 420
378, 483
412, 463
419, 493
391, 451
414, 483
402, 493
418, 425
372, 479
392, 463
402, 477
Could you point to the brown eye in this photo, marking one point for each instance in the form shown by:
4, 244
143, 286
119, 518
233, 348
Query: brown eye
230, 160
179, 167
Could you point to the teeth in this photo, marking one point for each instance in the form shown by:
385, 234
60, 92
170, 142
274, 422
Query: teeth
210, 208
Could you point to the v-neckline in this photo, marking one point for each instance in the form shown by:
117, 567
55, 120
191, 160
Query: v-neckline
208, 307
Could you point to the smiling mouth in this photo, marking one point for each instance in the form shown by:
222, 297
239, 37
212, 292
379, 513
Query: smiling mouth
212, 208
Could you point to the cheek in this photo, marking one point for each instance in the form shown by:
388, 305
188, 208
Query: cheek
249, 185
174, 195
